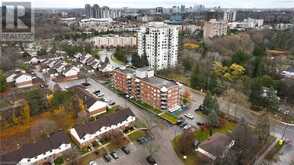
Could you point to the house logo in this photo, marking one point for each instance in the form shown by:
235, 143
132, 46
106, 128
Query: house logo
17, 21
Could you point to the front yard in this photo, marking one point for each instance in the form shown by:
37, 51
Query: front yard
201, 135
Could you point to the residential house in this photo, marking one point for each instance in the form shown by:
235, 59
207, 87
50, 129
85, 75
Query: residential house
98, 108
215, 147
87, 133
43, 151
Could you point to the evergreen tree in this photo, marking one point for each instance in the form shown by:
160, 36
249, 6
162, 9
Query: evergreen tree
3, 84
213, 119
144, 61
136, 60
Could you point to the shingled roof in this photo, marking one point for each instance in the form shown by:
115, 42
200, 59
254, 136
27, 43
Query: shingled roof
104, 121
35, 149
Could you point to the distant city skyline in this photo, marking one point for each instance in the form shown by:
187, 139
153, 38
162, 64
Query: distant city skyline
163, 3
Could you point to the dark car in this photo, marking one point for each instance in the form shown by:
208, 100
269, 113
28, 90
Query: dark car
107, 157
85, 84
97, 92
151, 160
200, 124
180, 120
200, 108
182, 125
142, 140
114, 155
125, 150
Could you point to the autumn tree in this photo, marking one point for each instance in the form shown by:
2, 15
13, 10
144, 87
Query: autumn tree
187, 97
185, 142
26, 112
14, 118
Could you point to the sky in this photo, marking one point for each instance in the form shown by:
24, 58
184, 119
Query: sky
162, 3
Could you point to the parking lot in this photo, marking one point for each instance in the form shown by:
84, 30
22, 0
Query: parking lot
137, 156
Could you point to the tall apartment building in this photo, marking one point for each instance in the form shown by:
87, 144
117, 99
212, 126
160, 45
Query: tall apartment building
159, 42
143, 85
88, 11
96, 11
230, 15
214, 28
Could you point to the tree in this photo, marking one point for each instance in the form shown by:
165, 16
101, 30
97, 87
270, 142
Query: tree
136, 60
244, 141
117, 138
187, 97
213, 119
240, 58
210, 103
26, 112
61, 98
37, 101
263, 128
144, 61
3, 84
185, 143
14, 118
106, 61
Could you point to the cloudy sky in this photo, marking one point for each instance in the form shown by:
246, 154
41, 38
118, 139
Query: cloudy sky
164, 3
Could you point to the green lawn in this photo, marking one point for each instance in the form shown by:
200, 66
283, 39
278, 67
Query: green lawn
201, 135
169, 117
146, 107
191, 159
135, 135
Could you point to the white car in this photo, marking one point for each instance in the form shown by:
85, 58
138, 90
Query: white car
92, 163
189, 116
187, 126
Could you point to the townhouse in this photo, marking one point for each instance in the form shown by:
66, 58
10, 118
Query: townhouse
43, 151
85, 134
143, 85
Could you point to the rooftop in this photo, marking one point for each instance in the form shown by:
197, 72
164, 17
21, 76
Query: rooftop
35, 149
104, 121
160, 82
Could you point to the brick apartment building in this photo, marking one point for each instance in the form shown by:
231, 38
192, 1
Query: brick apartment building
142, 84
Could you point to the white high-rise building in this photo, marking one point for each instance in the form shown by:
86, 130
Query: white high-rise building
159, 42
230, 15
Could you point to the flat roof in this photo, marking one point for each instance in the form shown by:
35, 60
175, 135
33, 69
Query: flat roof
160, 82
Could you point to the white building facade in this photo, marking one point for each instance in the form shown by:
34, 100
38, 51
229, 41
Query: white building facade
159, 42
215, 28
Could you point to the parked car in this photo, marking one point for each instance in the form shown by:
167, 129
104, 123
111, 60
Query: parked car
180, 120
200, 108
187, 126
142, 140
200, 124
110, 102
107, 157
101, 95
151, 160
189, 116
92, 163
97, 92
125, 150
114, 155
85, 84
182, 125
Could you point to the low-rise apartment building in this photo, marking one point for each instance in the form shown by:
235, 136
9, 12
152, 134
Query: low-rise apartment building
114, 41
214, 28
43, 151
87, 133
143, 85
